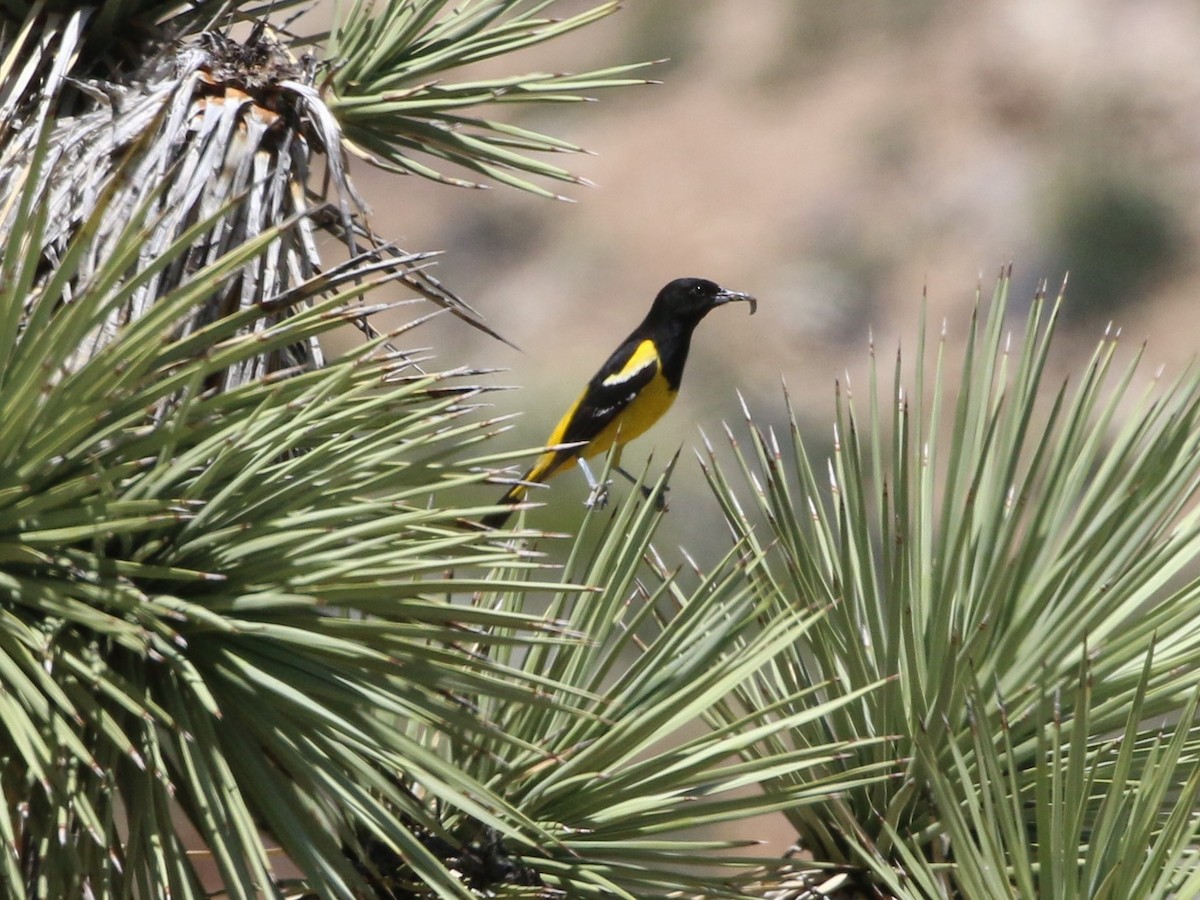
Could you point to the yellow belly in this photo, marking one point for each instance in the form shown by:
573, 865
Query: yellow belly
645, 409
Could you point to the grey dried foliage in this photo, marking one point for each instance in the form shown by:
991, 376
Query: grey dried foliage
210, 138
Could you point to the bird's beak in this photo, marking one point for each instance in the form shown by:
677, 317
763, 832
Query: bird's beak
724, 296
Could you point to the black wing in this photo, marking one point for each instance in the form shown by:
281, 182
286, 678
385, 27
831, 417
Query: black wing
633, 366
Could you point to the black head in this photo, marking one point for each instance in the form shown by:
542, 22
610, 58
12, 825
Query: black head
690, 299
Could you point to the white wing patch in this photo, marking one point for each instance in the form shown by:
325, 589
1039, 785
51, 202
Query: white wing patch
603, 411
644, 357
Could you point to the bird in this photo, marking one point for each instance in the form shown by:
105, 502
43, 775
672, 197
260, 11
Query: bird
629, 393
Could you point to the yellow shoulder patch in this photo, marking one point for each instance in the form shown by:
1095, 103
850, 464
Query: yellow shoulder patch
645, 355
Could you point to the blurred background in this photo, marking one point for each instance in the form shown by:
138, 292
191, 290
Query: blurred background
838, 161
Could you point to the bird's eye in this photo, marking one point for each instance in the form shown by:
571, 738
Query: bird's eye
698, 289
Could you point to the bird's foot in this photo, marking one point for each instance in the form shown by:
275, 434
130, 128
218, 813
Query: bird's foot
659, 497
598, 495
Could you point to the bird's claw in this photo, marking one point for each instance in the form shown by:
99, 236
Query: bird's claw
598, 496
659, 497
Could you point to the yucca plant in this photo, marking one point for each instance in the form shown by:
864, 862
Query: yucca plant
239, 594
223, 578
616, 771
174, 552
1015, 559
396, 106
666, 648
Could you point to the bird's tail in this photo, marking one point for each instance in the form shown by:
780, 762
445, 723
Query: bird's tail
511, 498
540, 471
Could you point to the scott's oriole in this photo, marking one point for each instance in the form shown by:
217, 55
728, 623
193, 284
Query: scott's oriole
634, 387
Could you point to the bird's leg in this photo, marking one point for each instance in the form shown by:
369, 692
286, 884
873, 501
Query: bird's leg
598, 498
660, 499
